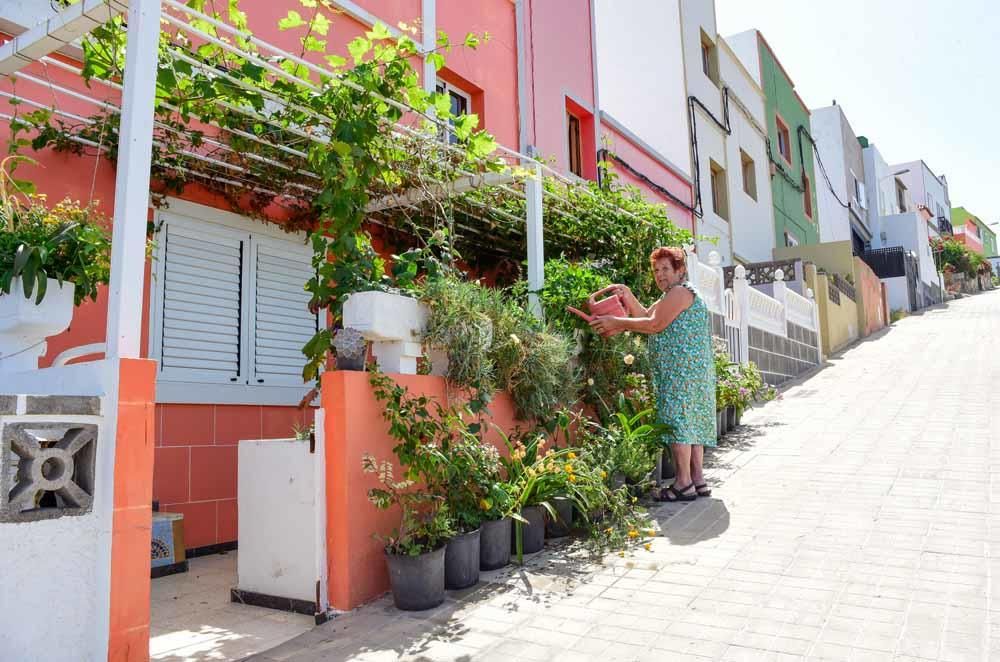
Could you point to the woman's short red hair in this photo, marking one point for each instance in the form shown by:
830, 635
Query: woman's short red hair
676, 256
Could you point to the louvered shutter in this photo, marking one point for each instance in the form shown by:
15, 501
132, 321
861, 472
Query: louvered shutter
201, 318
280, 319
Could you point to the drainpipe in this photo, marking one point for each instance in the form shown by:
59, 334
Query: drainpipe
597, 97
522, 79
428, 10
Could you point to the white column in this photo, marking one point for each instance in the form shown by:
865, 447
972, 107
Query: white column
536, 244
741, 297
781, 296
429, 31
128, 247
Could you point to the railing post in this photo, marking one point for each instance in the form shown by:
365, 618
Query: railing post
781, 296
715, 262
742, 301
536, 244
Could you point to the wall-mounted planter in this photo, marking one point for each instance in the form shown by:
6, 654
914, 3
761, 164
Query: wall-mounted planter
393, 323
24, 326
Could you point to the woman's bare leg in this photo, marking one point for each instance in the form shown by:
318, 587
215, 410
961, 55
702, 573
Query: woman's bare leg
683, 464
697, 468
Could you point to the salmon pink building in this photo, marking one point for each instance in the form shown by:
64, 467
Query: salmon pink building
223, 313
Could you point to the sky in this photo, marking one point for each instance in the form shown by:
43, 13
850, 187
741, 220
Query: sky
919, 78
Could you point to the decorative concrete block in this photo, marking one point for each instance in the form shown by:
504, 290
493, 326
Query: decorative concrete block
46, 470
8, 405
63, 405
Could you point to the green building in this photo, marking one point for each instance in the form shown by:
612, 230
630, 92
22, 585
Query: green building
962, 219
793, 179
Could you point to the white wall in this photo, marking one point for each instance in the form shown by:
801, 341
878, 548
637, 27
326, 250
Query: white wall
55, 581
826, 127
881, 187
910, 231
926, 188
747, 48
897, 293
751, 221
644, 36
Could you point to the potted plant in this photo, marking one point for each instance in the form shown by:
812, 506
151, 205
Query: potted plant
415, 550
352, 349
51, 258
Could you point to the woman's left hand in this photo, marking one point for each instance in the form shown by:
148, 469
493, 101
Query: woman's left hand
607, 325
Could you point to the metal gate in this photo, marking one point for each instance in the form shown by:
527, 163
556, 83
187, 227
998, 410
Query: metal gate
912, 281
731, 324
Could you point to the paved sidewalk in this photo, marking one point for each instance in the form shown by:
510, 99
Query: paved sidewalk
858, 518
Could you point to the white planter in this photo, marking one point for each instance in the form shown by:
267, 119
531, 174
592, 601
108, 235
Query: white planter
24, 326
393, 323
281, 500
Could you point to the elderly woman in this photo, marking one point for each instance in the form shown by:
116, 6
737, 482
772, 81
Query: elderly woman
680, 348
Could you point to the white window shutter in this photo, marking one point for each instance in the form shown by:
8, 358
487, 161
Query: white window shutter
199, 332
862, 195
280, 318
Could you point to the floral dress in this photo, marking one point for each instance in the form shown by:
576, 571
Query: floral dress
684, 375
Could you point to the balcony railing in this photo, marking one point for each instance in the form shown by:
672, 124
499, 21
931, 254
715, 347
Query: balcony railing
944, 225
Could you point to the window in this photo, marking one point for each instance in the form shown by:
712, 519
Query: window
859, 192
709, 58
575, 145
807, 195
229, 309
460, 104
749, 175
784, 140
790, 239
720, 196
901, 196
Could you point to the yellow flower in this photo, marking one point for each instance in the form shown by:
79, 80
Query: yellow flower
572, 478
650, 532
609, 530
569, 468
629, 359
484, 504
604, 474
571, 455
633, 533
634, 499
621, 554
648, 547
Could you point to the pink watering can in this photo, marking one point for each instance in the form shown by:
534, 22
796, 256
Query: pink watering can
612, 305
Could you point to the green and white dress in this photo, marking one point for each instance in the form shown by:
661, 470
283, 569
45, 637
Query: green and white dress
684, 375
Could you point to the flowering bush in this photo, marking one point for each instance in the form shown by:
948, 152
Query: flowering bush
737, 386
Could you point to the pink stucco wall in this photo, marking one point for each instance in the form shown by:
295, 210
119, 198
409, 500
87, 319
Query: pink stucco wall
640, 160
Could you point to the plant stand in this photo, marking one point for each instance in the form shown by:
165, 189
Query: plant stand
24, 325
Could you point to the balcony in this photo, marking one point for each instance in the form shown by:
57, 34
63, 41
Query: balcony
944, 225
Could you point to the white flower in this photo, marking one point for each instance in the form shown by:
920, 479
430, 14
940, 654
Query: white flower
514, 339
638, 341
629, 359
590, 381
627, 333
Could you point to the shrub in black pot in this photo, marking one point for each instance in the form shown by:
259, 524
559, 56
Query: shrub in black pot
559, 526
529, 530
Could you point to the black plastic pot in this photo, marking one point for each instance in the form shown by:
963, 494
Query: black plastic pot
730, 418
461, 561
417, 581
720, 423
667, 470
532, 533
356, 363
560, 526
494, 544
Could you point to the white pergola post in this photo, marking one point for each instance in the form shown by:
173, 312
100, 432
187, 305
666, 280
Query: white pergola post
536, 246
428, 11
128, 250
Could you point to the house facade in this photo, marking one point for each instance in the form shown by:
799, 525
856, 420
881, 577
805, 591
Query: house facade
842, 192
929, 190
793, 177
224, 311
970, 230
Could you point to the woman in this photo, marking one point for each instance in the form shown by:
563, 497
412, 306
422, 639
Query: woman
680, 348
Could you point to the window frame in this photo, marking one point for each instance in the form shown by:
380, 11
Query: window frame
790, 239
782, 129
807, 203
717, 179
751, 182
444, 87
571, 122
178, 389
709, 58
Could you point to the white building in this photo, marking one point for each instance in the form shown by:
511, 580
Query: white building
927, 189
842, 191
696, 81
895, 221
728, 141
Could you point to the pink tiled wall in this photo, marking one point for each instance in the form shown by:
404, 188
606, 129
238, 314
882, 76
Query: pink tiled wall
194, 469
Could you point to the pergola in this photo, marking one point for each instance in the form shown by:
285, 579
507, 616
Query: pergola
434, 172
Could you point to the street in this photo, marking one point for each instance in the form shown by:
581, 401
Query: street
856, 518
